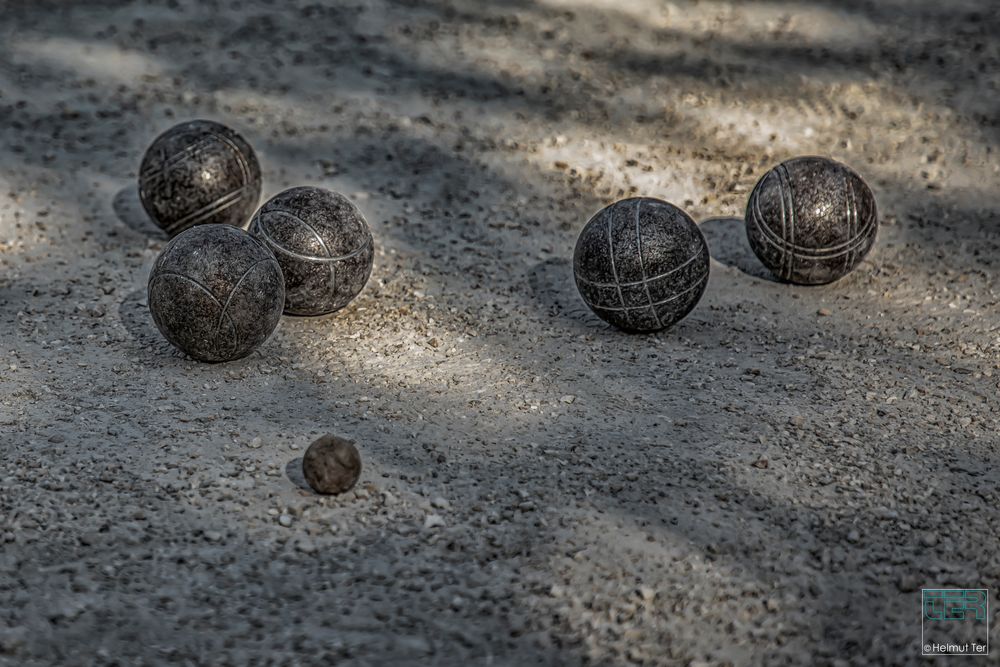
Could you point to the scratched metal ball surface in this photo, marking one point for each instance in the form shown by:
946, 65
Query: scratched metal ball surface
641, 264
216, 292
331, 465
323, 244
199, 173
811, 220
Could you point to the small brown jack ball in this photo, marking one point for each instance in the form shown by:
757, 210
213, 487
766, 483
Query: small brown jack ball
331, 465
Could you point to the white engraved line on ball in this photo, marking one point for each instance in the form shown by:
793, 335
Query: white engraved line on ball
289, 214
156, 171
240, 159
642, 266
694, 285
781, 200
640, 282
765, 229
784, 217
627, 309
852, 216
263, 232
614, 270
782, 244
208, 293
790, 193
232, 292
207, 211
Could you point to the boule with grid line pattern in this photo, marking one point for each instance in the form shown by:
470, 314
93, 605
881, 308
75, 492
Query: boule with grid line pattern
811, 220
216, 293
641, 264
199, 173
324, 246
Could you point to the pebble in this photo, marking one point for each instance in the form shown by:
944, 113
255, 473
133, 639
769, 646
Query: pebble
305, 545
433, 521
646, 593
285, 520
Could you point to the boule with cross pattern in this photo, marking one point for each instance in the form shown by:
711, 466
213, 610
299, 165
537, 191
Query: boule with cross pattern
199, 173
323, 244
811, 220
216, 293
641, 264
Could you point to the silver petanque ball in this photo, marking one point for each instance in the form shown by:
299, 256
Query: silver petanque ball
216, 293
811, 220
324, 246
199, 173
641, 264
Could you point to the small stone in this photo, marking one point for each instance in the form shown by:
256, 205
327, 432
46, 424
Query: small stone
213, 535
824, 312
929, 539
285, 520
331, 465
440, 503
568, 398
646, 593
56, 439
853, 537
761, 463
255, 443
305, 545
433, 521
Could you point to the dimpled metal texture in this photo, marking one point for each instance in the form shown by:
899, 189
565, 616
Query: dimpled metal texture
216, 292
641, 264
323, 244
331, 465
199, 173
811, 220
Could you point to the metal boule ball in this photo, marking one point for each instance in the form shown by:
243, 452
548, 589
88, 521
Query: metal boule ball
324, 246
641, 264
199, 173
216, 293
811, 220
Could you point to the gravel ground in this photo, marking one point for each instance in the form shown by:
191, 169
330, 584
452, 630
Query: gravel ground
770, 482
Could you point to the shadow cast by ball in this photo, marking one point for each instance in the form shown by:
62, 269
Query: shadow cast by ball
293, 470
728, 245
135, 317
128, 208
554, 289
